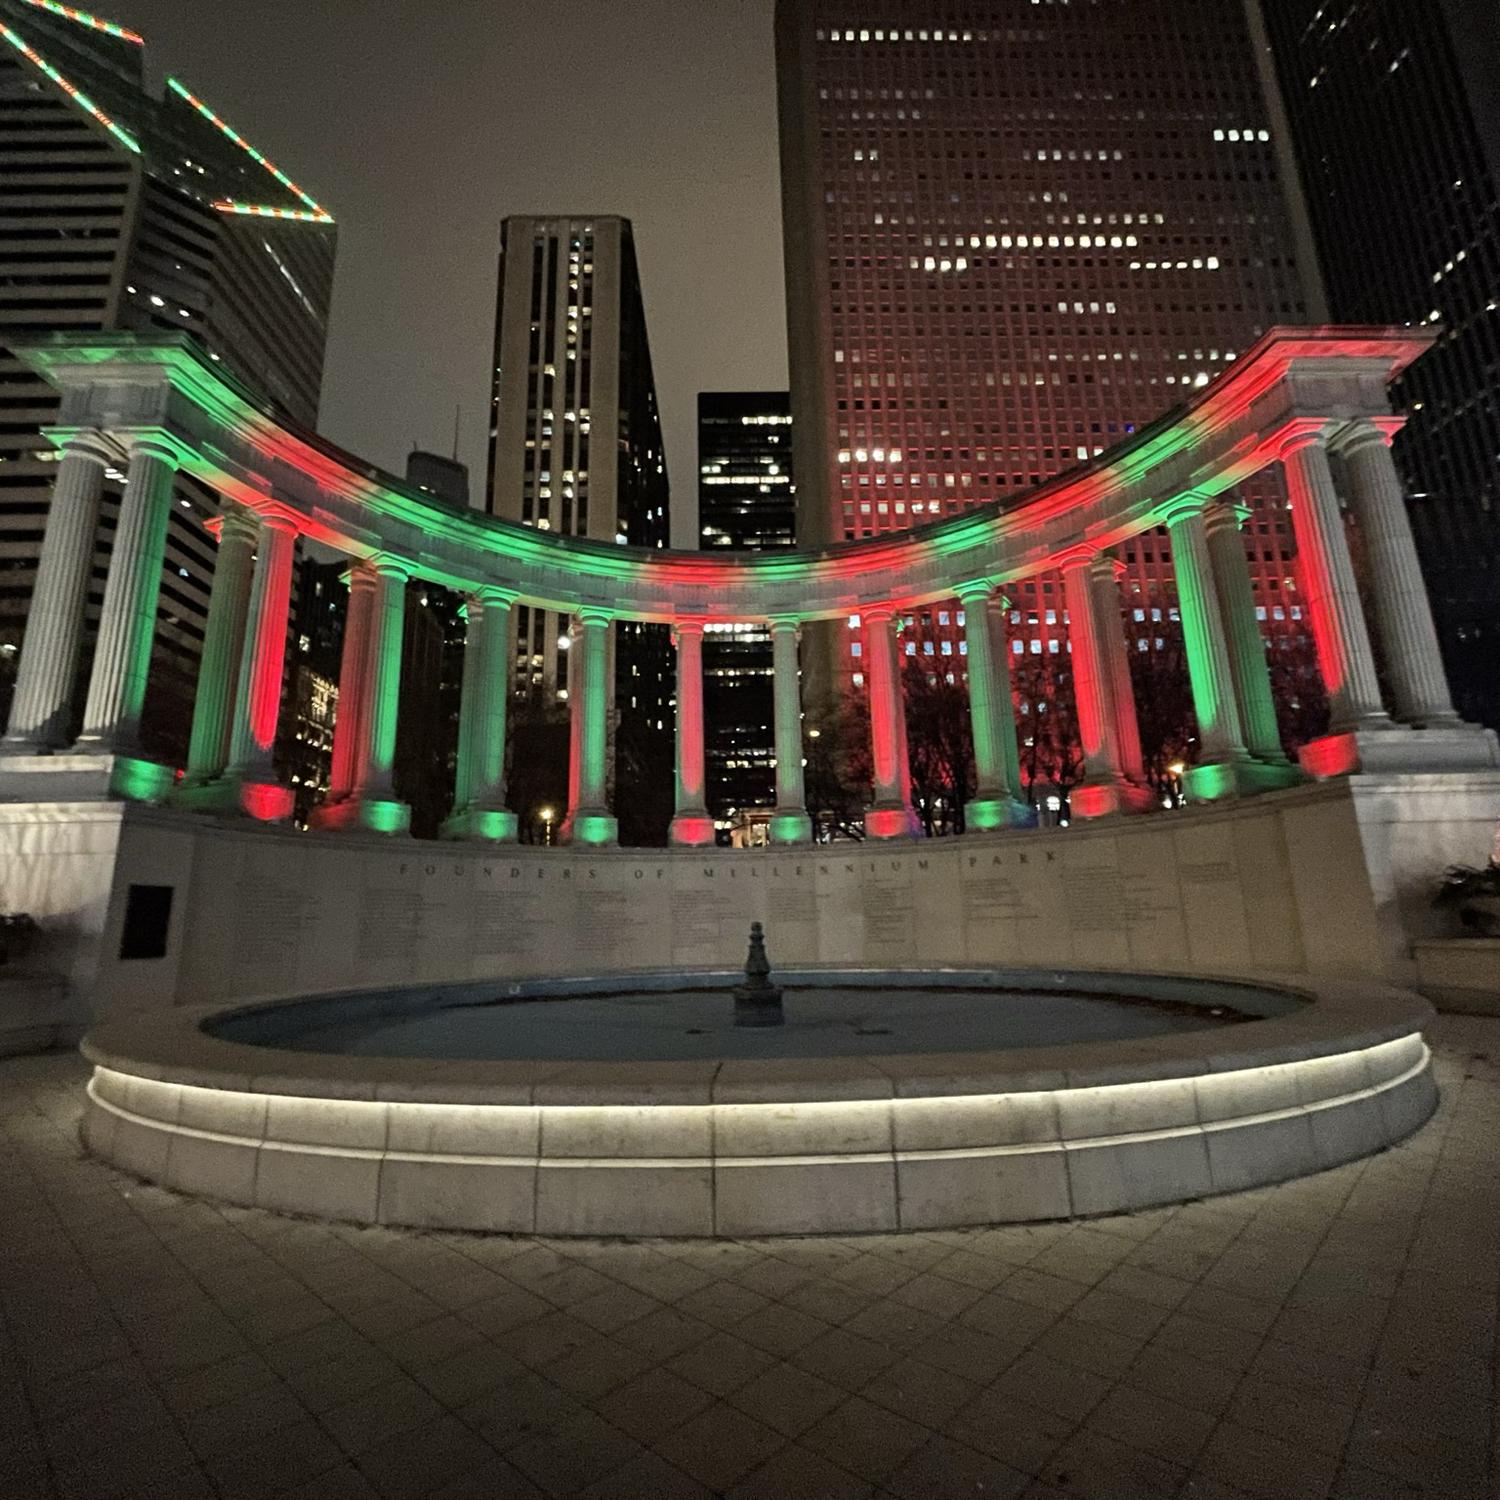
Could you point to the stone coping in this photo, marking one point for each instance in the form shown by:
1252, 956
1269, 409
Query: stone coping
1333, 1017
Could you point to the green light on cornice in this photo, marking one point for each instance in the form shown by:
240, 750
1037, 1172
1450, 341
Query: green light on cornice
316, 213
75, 94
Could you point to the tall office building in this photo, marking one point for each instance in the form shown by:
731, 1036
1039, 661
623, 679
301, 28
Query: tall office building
1394, 108
746, 501
122, 210
576, 447
1015, 232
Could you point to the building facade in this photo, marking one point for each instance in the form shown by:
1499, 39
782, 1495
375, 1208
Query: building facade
1392, 107
121, 210
747, 503
576, 448
1014, 234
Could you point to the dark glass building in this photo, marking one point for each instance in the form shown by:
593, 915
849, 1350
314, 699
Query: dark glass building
1394, 108
746, 501
119, 210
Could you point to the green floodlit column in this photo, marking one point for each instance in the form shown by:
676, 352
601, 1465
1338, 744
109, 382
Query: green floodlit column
127, 623
1247, 650
262, 673
790, 823
996, 801
1119, 688
42, 703
1000, 654
387, 628
1220, 736
479, 810
223, 640
589, 819
1398, 595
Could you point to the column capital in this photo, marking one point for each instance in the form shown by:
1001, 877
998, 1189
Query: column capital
595, 615
81, 442
976, 591
1366, 432
393, 569
782, 624
491, 596
1107, 568
1226, 515
277, 517
1080, 556
689, 627
157, 443
1189, 503
1300, 433
233, 518
879, 614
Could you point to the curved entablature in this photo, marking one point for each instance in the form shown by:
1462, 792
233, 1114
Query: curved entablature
124, 389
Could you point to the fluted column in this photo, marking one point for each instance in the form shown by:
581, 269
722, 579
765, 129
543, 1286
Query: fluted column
1247, 649
347, 772
1115, 661
479, 810
42, 705
223, 643
1403, 615
589, 818
691, 823
790, 823
996, 802
127, 624
251, 779
1328, 585
891, 815
1000, 653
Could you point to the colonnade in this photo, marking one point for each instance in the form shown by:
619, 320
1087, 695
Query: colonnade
230, 759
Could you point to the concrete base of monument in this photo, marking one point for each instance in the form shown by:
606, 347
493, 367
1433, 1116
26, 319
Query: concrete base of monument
1460, 974
1105, 799
497, 825
590, 828
1397, 749
692, 830
238, 796
37, 1012
1239, 778
891, 820
371, 814
773, 1141
990, 814
74, 776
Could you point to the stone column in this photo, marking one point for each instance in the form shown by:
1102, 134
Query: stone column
361, 790
996, 802
1104, 789
1000, 654
589, 818
691, 824
1403, 615
223, 642
251, 782
1247, 649
1329, 587
479, 810
790, 823
1119, 688
890, 816
127, 624
42, 705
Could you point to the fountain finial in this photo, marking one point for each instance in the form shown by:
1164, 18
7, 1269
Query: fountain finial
757, 1002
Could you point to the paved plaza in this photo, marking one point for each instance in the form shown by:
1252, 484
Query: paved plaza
1332, 1337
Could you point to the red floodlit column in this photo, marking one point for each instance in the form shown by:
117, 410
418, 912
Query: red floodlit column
42, 704
691, 824
1120, 690
223, 644
479, 810
891, 814
1332, 595
1403, 615
996, 802
347, 772
1105, 789
790, 823
251, 782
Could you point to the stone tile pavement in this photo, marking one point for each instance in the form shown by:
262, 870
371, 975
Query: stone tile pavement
1334, 1337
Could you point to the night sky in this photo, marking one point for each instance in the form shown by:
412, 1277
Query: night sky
421, 123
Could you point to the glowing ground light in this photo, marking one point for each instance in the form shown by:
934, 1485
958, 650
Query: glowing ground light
98, 23
316, 210
76, 95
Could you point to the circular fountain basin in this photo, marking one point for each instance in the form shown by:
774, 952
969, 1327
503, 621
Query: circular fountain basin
634, 1106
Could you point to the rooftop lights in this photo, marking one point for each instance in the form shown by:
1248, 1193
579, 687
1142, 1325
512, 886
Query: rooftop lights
76, 95
98, 23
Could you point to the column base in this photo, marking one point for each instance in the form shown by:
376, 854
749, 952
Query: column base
1239, 778
692, 830
238, 796
1104, 799
791, 828
82, 776
891, 820
989, 814
486, 825
362, 814
1399, 749
593, 827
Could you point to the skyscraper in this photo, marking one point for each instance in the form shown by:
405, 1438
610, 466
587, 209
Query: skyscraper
121, 210
576, 447
1394, 114
1014, 233
746, 501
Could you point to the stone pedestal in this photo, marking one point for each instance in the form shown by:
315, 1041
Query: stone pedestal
989, 814
1395, 749
83, 778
